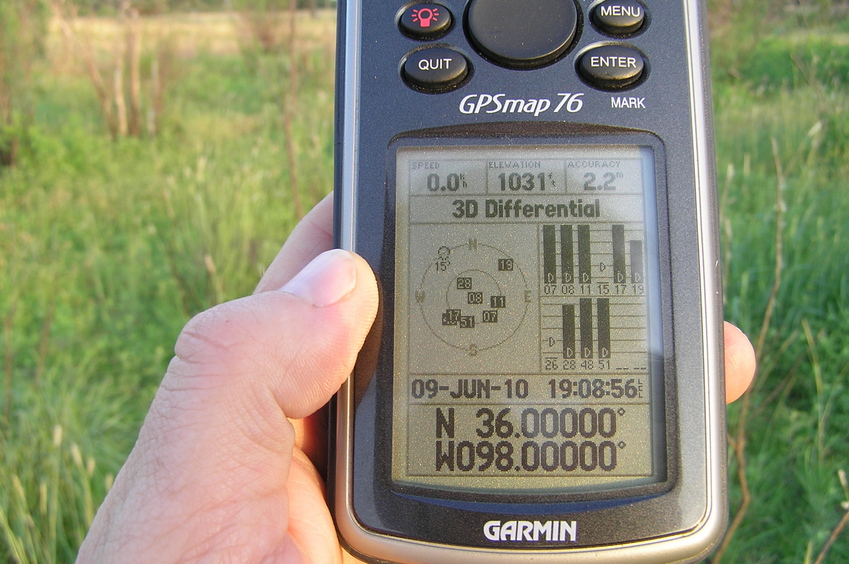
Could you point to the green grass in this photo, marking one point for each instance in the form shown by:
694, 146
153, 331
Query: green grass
106, 249
782, 124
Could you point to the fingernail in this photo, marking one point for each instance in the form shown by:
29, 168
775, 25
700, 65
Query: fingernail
327, 279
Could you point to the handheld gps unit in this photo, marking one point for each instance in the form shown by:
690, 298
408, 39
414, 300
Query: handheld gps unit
533, 183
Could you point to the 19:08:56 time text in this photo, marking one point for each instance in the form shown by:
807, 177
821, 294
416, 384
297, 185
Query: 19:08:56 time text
520, 388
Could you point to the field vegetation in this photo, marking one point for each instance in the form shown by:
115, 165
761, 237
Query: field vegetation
109, 244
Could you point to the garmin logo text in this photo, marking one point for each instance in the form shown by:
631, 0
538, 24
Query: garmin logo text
531, 531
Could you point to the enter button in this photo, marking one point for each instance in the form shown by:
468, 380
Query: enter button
611, 67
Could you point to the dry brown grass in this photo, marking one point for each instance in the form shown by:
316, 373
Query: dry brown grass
189, 34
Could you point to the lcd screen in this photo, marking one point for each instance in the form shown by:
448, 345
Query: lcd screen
527, 338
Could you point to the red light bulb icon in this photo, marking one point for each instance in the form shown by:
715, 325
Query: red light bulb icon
424, 16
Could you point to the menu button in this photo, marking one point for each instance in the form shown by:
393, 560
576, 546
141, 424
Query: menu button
619, 17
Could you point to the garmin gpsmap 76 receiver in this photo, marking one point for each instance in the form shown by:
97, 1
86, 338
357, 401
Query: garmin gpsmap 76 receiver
532, 182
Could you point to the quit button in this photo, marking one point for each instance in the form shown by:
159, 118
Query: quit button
435, 69
611, 67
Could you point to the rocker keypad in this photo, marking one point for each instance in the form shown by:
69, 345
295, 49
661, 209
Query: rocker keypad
523, 35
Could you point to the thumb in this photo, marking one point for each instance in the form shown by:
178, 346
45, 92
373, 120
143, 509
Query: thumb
217, 442
298, 343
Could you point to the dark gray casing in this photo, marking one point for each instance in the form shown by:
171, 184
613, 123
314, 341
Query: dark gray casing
375, 107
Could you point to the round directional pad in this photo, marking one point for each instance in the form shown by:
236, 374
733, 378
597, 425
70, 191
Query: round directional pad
522, 34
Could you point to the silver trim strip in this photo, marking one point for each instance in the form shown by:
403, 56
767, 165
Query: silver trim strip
715, 512
342, 509
350, 128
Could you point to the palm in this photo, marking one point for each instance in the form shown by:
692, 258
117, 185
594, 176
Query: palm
219, 471
224, 467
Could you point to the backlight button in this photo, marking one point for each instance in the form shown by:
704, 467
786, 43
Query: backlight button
425, 21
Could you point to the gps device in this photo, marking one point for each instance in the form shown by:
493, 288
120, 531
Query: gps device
532, 182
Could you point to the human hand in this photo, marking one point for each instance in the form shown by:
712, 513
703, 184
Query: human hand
219, 472
225, 465
740, 363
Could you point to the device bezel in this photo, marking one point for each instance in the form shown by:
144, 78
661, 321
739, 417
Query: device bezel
371, 392
495, 135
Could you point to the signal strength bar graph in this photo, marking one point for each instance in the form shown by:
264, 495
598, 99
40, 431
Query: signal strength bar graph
575, 254
592, 297
582, 340
595, 328
635, 248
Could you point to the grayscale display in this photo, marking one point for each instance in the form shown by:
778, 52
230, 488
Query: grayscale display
527, 319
